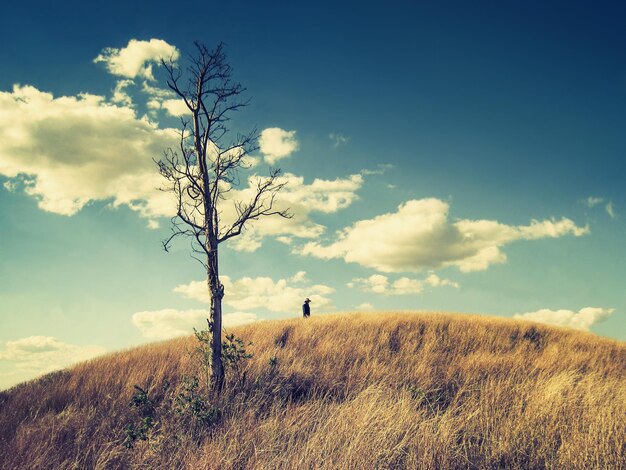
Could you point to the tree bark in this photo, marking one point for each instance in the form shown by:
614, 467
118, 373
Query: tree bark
216, 290
217, 368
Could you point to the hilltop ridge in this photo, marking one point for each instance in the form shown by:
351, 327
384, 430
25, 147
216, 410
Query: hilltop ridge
379, 390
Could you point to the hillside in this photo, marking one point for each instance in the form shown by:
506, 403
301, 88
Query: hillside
344, 391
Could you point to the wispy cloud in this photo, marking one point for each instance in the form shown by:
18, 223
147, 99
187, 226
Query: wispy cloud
338, 139
610, 210
593, 201
584, 319
381, 169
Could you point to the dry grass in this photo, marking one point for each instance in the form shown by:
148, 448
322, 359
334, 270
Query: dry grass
394, 390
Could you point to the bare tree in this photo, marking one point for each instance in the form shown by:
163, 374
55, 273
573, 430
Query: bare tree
204, 169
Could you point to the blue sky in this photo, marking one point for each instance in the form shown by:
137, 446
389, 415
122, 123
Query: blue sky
447, 157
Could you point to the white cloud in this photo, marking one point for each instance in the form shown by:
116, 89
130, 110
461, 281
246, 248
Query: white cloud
584, 319
365, 306
137, 58
338, 139
70, 151
170, 323
420, 236
33, 356
250, 293
379, 284
276, 143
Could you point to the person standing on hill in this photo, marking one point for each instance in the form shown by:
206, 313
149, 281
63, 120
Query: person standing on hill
306, 309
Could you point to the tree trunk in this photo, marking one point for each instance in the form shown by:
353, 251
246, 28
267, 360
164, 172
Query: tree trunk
217, 368
216, 290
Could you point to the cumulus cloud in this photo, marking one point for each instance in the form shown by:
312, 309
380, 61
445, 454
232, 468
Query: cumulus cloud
170, 323
379, 284
276, 143
137, 58
584, 319
365, 306
248, 293
70, 151
30, 357
420, 235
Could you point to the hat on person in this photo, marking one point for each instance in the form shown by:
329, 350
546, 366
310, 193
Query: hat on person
307, 300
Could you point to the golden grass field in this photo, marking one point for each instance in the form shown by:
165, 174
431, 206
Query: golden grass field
354, 391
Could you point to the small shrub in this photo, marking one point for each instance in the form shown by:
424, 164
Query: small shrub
146, 409
189, 402
234, 354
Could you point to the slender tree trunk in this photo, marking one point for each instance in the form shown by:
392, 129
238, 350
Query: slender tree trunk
217, 368
216, 290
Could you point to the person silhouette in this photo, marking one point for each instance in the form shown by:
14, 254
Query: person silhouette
306, 309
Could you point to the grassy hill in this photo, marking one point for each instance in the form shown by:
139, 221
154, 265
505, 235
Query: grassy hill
344, 391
